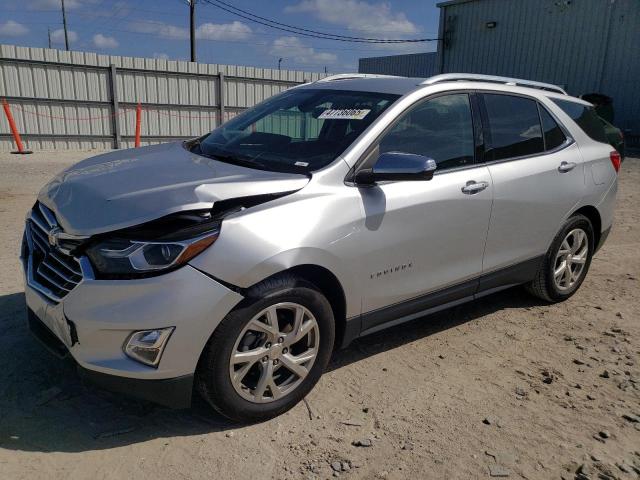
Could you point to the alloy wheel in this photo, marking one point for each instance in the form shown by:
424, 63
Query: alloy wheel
571, 259
274, 352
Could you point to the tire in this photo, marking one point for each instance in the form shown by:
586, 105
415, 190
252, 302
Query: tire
545, 284
290, 298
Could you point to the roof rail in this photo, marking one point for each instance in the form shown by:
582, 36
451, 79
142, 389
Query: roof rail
347, 76
473, 77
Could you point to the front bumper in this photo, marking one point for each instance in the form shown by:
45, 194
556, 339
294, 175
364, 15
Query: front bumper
93, 321
170, 392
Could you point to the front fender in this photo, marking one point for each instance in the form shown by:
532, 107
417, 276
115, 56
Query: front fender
284, 261
320, 225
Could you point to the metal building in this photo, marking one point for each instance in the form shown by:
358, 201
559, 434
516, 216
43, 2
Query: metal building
411, 65
587, 46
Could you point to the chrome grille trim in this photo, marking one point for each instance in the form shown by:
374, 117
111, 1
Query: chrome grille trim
42, 243
39, 223
61, 262
48, 216
36, 286
66, 278
40, 272
49, 271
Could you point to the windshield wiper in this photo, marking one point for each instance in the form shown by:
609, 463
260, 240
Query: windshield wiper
236, 160
194, 145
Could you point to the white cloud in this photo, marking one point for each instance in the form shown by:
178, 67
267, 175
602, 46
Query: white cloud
12, 29
58, 35
160, 56
160, 29
103, 41
207, 31
224, 31
373, 19
293, 48
113, 12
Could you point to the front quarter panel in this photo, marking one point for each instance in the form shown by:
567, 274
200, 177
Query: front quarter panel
318, 225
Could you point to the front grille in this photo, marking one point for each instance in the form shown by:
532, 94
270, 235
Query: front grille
51, 272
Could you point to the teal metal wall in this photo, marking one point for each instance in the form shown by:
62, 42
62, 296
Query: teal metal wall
584, 45
410, 65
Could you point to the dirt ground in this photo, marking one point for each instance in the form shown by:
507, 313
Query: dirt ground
506, 386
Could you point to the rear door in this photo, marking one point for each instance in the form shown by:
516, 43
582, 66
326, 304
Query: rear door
538, 178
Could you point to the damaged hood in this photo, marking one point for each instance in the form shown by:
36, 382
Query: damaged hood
124, 188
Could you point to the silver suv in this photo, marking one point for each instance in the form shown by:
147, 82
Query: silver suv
235, 263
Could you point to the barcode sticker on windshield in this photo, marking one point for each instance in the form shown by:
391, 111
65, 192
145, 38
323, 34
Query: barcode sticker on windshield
347, 114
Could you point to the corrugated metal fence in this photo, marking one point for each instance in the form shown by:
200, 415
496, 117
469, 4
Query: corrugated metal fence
79, 100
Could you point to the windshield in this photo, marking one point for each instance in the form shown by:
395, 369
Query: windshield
300, 130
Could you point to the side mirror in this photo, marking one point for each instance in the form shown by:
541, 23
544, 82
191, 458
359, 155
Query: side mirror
398, 166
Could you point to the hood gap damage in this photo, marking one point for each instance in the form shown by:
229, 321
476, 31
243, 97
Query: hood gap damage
178, 226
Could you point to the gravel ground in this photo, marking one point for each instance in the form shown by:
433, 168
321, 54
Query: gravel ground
506, 386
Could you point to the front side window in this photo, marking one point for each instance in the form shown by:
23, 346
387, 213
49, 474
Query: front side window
514, 126
440, 128
586, 118
301, 130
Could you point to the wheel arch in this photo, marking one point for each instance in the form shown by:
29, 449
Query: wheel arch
594, 217
330, 287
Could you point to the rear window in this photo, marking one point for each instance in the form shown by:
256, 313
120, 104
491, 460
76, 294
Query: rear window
586, 118
514, 126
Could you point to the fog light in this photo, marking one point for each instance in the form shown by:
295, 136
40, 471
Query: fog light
146, 346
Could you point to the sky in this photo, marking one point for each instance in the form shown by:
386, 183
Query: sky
160, 28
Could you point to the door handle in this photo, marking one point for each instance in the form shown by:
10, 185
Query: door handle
566, 167
473, 187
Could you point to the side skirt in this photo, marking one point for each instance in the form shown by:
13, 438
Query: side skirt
414, 308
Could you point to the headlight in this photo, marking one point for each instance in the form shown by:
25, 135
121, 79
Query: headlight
126, 258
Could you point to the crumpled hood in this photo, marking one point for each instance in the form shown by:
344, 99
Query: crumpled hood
124, 188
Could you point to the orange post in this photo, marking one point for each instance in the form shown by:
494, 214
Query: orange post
138, 122
14, 129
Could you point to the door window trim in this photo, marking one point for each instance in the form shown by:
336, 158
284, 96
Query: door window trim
568, 136
367, 158
487, 131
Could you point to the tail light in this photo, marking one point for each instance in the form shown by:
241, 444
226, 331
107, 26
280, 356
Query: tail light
615, 160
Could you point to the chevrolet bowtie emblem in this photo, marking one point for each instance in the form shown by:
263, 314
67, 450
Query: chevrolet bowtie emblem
54, 236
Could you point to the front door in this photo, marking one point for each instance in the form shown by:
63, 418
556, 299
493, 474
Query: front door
424, 237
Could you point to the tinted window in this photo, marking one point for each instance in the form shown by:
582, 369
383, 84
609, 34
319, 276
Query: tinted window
440, 128
586, 118
514, 125
553, 135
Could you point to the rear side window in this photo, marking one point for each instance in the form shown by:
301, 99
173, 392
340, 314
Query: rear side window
553, 134
514, 127
586, 118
